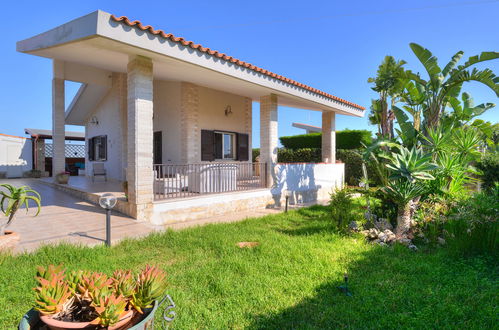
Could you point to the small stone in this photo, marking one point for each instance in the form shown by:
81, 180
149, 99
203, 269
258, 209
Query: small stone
354, 226
441, 241
382, 244
412, 247
382, 237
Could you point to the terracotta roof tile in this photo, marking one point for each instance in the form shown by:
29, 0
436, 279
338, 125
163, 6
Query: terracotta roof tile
215, 53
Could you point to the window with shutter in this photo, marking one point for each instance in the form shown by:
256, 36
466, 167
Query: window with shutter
242, 147
91, 149
103, 147
207, 145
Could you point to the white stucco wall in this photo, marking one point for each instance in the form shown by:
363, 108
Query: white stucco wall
167, 118
308, 181
110, 123
15, 155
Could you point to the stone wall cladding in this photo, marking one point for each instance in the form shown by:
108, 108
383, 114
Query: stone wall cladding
268, 134
328, 137
140, 135
58, 126
189, 122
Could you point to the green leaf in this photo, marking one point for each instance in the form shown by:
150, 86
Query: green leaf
452, 63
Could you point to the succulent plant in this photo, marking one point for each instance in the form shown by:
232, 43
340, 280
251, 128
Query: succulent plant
53, 293
93, 286
50, 271
151, 284
75, 278
124, 283
110, 308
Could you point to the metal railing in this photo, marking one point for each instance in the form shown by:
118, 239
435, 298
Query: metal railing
187, 180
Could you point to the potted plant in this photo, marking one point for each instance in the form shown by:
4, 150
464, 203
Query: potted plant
93, 300
62, 178
10, 202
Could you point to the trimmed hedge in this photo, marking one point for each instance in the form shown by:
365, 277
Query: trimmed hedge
346, 139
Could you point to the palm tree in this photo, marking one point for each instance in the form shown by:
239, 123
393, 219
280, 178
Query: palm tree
388, 85
16, 198
443, 84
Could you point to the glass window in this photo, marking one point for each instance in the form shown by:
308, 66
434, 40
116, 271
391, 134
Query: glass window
228, 146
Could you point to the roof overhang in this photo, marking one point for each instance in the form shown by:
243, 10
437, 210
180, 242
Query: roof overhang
309, 128
46, 134
95, 45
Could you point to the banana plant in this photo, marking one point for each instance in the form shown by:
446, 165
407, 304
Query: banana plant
16, 197
444, 84
464, 113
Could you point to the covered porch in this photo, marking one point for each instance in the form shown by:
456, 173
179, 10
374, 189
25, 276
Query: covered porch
161, 111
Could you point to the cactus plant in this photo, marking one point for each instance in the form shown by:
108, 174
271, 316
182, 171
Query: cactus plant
151, 284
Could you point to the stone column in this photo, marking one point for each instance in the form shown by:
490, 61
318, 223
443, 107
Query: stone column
140, 136
268, 134
190, 134
328, 137
58, 119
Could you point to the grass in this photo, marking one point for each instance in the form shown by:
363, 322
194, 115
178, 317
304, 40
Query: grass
289, 281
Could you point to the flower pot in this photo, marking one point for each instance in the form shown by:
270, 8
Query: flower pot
9, 240
62, 325
62, 178
31, 320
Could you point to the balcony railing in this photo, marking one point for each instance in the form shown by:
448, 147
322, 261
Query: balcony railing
187, 180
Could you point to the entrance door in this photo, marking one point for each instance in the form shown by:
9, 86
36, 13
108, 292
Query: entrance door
158, 147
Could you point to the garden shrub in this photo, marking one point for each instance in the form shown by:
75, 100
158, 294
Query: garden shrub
489, 166
345, 139
472, 227
255, 152
303, 155
342, 209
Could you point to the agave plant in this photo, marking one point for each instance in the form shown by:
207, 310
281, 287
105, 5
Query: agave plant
16, 198
151, 284
411, 165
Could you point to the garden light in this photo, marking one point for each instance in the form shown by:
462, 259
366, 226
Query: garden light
108, 201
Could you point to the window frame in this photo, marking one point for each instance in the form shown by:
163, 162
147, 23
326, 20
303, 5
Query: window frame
97, 143
233, 144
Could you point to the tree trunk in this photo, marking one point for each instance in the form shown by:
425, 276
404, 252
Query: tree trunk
403, 220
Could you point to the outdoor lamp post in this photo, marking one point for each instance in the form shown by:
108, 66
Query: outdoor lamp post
108, 201
286, 194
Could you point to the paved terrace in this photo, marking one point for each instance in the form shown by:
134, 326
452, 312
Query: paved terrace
65, 218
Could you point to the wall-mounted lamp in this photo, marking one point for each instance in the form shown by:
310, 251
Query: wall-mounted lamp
94, 121
228, 110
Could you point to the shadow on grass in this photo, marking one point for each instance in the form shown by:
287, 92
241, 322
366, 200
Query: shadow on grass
394, 288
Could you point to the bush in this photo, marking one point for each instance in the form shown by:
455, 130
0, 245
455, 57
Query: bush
342, 209
346, 139
304, 155
489, 166
255, 153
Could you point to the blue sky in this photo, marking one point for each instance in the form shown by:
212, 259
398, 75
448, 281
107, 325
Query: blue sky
331, 45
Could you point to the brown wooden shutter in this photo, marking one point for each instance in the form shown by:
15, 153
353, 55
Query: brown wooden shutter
103, 147
91, 149
242, 146
207, 145
218, 145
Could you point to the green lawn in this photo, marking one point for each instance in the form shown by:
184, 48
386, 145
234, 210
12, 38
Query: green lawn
289, 281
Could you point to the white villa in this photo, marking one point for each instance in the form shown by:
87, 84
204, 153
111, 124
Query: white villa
174, 119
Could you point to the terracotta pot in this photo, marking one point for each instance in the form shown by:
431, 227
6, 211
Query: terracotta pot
62, 178
62, 325
9, 240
